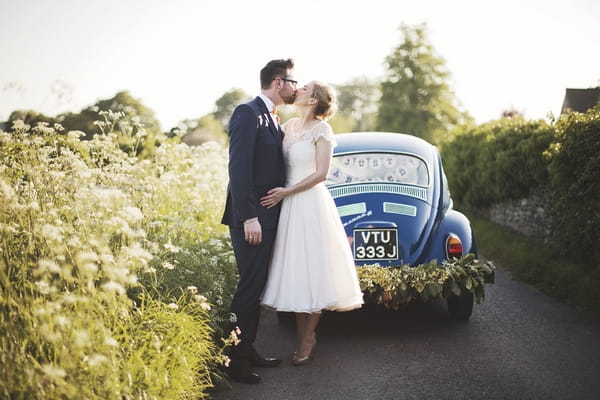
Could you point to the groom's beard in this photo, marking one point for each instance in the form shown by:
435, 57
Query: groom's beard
290, 99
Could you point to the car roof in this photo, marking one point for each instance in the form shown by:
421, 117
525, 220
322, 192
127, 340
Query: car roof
383, 142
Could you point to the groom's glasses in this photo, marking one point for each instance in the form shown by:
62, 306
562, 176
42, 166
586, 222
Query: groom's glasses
291, 81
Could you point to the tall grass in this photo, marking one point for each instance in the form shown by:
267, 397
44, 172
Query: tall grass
532, 262
114, 274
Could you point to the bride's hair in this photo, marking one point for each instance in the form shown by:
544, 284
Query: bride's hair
326, 103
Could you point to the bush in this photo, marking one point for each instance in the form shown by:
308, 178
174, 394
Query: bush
497, 161
81, 224
574, 165
503, 160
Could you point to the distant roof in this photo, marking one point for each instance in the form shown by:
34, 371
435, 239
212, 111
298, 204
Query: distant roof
580, 100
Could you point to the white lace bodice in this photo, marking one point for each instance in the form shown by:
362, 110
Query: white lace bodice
299, 148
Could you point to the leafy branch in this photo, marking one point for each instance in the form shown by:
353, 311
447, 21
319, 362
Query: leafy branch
394, 286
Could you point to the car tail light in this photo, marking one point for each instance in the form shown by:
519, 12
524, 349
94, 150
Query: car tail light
454, 248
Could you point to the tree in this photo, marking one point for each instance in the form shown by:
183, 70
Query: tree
137, 128
357, 102
227, 103
203, 129
415, 97
30, 117
511, 113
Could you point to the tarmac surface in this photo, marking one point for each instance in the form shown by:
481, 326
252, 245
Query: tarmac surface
518, 344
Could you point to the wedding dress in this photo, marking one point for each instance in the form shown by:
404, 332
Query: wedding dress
312, 267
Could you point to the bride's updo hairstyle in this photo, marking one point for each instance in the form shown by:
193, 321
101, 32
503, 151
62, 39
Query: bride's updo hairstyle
326, 103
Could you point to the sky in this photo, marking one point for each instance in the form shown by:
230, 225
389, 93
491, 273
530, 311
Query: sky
179, 56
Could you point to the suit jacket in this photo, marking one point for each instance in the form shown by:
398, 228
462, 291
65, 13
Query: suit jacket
255, 165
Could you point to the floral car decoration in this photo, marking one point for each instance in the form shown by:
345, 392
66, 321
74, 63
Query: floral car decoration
407, 240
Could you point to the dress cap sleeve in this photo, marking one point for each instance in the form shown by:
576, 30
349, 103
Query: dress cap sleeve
323, 130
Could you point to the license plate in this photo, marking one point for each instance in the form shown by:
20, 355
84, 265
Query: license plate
376, 244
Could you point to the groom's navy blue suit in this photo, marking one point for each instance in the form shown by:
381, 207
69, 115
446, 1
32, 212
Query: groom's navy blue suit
255, 165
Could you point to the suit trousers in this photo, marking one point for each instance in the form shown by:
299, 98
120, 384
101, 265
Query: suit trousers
253, 266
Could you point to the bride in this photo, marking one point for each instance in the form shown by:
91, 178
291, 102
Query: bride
312, 267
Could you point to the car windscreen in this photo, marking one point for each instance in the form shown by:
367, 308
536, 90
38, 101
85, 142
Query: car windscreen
377, 167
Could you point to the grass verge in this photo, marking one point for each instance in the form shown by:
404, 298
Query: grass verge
530, 261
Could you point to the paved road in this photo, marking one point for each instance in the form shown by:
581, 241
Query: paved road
519, 344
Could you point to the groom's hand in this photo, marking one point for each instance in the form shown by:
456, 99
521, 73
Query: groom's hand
252, 231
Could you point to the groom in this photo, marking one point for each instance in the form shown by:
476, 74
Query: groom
255, 166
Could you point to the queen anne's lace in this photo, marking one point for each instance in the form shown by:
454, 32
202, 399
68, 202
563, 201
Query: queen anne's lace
292, 135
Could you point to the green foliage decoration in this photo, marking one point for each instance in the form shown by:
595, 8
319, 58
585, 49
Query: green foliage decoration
395, 286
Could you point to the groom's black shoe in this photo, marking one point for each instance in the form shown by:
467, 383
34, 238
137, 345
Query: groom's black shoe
240, 371
259, 361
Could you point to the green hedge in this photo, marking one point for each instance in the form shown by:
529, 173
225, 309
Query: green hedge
496, 161
505, 159
575, 180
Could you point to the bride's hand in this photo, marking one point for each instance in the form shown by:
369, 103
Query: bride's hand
273, 197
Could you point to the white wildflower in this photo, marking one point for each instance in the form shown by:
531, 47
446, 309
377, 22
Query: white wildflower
132, 215
96, 359
233, 336
69, 298
61, 321
88, 268
51, 232
43, 287
110, 341
193, 289
6, 191
53, 372
87, 256
107, 259
173, 306
49, 266
137, 252
19, 125
171, 248
109, 197
75, 134
168, 265
82, 338
225, 360
49, 333
113, 286
121, 274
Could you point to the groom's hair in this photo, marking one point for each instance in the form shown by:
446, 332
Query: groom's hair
274, 69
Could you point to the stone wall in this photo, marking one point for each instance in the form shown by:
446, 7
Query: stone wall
528, 216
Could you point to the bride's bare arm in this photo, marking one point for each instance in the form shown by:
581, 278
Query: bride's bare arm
323, 161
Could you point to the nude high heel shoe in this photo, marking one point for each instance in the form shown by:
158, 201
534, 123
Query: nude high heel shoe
299, 361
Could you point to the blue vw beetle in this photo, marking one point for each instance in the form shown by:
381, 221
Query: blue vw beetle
393, 199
